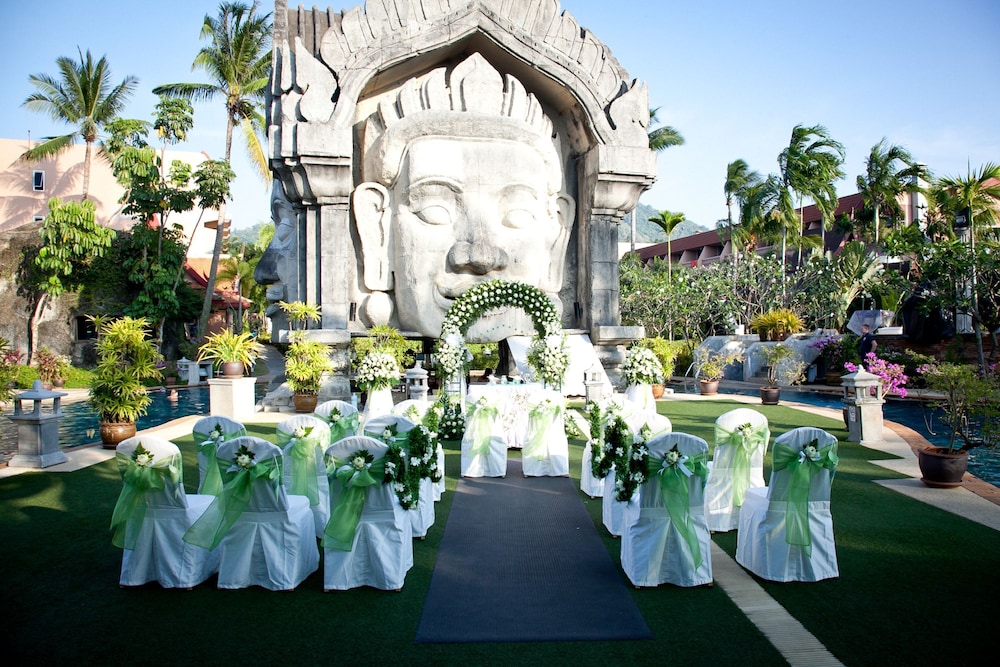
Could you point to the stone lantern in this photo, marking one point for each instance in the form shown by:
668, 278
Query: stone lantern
593, 383
416, 383
864, 407
37, 431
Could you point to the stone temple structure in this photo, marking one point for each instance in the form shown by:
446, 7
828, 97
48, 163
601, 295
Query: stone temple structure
422, 146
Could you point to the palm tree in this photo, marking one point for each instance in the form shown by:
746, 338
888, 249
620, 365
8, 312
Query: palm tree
979, 191
82, 96
884, 180
662, 137
760, 221
238, 61
668, 222
808, 167
739, 177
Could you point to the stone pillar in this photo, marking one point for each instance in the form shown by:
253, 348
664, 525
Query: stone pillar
864, 410
232, 397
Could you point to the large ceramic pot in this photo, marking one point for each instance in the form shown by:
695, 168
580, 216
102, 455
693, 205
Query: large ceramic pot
770, 395
833, 378
305, 403
708, 387
231, 369
941, 469
658, 390
114, 432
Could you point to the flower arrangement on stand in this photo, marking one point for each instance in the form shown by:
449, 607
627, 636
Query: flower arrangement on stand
892, 375
451, 425
378, 370
549, 360
452, 356
642, 367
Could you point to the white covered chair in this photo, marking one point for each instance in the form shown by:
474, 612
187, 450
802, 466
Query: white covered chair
340, 416
209, 433
741, 439
666, 537
369, 540
786, 529
638, 415
267, 536
421, 516
153, 513
546, 449
484, 449
590, 484
303, 440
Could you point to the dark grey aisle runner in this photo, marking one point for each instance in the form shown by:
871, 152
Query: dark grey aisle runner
520, 560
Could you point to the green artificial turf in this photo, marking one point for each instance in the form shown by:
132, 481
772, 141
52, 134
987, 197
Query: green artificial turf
908, 572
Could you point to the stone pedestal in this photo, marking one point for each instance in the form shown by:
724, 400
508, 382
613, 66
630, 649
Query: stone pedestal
37, 431
232, 397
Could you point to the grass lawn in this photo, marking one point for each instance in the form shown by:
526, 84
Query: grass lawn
907, 570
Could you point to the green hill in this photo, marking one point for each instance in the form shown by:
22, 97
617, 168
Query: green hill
648, 232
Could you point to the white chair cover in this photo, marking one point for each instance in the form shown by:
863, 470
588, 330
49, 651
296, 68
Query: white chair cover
741, 439
209, 433
382, 545
546, 449
612, 510
637, 415
412, 409
642, 396
305, 469
771, 517
421, 516
340, 416
272, 543
666, 537
153, 520
484, 449
592, 486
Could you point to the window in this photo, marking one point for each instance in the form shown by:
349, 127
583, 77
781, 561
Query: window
39, 218
38, 180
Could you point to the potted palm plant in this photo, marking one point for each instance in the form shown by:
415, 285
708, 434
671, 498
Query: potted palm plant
233, 352
784, 368
305, 363
969, 408
127, 361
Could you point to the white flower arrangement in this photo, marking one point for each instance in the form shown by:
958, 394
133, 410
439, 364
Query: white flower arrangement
142, 456
642, 367
378, 370
216, 433
244, 458
495, 294
452, 354
811, 451
548, 359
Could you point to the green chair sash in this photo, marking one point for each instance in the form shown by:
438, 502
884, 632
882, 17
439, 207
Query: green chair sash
481, 416
227, 507
673, 480
744, 444
540, 419
212, 485
303, 463
130, 510
346, 512
802, 469
342, 426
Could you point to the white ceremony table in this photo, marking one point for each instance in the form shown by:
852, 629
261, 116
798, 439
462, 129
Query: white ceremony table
512, 402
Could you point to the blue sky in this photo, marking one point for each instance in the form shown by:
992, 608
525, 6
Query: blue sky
733, 76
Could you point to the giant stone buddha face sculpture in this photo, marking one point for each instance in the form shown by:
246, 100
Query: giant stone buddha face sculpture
463, 183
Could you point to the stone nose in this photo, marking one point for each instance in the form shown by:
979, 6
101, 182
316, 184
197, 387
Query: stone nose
479, 257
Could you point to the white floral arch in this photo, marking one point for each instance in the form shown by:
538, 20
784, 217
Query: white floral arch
547, 355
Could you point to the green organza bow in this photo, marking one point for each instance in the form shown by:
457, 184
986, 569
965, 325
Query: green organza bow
303, 460
675, 490
346, 513
212, 485
481, 418
745, 443
227, 507
802, 470
540, 419
130, 510
345, 426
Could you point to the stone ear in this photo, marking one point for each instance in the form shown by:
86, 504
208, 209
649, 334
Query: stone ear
565, 209
372, 216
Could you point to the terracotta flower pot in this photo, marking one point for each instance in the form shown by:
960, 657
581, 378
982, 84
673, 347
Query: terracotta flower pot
114, 432
305, 403
708, 387
232, 369
658, 390
941, 469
